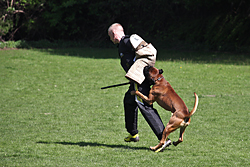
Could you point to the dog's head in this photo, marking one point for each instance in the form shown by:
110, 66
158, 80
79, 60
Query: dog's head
152, 74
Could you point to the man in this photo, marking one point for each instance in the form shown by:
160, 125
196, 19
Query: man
132, 103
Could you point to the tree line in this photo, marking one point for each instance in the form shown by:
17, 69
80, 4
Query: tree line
213, 23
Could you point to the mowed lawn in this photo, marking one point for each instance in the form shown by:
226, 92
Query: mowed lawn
53, 112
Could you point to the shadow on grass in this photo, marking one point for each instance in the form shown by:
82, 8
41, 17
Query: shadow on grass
95, 144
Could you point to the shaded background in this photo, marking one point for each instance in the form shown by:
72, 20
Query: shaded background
221, 25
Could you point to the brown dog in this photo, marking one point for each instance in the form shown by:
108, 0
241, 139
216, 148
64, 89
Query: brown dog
163, 93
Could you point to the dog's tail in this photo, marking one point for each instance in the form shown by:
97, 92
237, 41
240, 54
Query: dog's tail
195, 105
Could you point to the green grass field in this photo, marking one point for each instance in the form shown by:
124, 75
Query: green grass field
53, 112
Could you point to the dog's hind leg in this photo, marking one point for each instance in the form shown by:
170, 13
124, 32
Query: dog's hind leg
184, 125
182, 130
169, 128
173, 124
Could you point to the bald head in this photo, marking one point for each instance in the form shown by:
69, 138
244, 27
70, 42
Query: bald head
116, 32
115, 26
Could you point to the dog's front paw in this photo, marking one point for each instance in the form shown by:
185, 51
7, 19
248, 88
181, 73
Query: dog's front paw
132, 92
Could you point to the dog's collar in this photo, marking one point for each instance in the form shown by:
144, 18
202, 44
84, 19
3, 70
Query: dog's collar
158, 79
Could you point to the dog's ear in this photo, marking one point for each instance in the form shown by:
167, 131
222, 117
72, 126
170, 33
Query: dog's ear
160, 71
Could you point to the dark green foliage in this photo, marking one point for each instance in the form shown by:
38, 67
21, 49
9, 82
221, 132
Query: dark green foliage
180, 24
